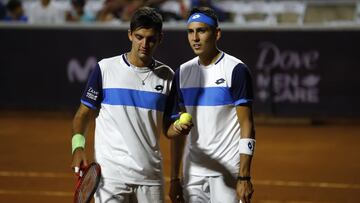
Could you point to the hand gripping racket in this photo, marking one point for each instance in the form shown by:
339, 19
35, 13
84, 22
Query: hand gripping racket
87, 183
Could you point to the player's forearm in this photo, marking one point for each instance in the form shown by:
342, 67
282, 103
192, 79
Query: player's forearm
247, 128
177, 148
247, 133
81, 120
245, 165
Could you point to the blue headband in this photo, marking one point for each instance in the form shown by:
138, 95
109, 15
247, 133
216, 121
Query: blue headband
202, 18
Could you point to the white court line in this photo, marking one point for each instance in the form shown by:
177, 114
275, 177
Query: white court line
306, 184
32, 174
278, 201
36, 193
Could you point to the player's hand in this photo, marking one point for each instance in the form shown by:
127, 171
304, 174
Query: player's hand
182, 129
175, 193
79, 160
244, 190
177, 129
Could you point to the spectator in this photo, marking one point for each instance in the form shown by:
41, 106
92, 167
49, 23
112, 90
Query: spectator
222, 15
45, 12
181, 12
15, 11
2, 11
119, 10
78, 13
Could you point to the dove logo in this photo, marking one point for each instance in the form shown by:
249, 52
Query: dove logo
287, 75
78, 73
272, 57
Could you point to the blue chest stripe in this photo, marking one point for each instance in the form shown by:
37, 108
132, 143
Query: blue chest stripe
135, 98
209, 96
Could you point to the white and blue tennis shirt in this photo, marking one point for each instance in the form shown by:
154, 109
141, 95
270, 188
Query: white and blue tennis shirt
131, 103
210, 94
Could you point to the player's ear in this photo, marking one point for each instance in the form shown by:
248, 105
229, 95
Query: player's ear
218, 33
129, 35
161, 36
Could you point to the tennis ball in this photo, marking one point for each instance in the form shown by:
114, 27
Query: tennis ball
185, 118
176, 122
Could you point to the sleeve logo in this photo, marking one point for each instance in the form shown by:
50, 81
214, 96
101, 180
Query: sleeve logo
92, 94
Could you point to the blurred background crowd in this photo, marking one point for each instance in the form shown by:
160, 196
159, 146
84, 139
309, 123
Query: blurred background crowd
255, 12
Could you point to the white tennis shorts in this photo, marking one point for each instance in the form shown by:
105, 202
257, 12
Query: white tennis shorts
115, 192
206, 189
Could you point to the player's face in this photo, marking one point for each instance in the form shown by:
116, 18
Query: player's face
202, 38
144, 42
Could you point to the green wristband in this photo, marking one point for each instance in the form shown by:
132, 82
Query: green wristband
78, 140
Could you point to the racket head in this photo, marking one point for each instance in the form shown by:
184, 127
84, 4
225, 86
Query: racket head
87, 183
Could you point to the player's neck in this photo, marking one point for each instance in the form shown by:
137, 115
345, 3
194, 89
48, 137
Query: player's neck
209, 58
136, 61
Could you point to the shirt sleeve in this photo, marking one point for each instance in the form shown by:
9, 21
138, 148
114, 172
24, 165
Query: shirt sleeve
241, 86
93, 93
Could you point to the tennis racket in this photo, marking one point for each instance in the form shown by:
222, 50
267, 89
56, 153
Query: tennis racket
87, 183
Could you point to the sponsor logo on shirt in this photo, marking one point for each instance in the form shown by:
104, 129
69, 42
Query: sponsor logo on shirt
219, 81
159, 87
92, 94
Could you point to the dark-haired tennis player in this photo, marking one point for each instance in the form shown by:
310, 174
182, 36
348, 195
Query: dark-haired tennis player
127, 94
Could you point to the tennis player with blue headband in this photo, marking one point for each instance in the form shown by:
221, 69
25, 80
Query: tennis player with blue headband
216, 89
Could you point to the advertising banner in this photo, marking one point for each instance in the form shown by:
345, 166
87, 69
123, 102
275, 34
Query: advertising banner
308, 73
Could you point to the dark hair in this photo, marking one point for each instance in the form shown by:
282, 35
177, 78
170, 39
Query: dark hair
146, 17
206, 11
13, 4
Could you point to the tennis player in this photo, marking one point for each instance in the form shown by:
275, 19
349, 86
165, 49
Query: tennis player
127, 94
216, 89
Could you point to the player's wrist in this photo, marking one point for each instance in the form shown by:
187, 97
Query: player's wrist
244, 178
77, 141
247, 146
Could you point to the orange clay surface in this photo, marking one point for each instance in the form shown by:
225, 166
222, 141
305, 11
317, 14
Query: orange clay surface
292, 163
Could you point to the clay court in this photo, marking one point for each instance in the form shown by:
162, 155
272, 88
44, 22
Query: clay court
294, 162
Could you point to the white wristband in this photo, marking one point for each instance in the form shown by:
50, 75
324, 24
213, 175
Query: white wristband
247, 146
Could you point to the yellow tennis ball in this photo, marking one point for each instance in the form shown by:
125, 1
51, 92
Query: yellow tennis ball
185, 118
176, 122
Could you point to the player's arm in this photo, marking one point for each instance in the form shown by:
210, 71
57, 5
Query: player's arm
80, 123
177, 148
90, 103
244, 185
173, 107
